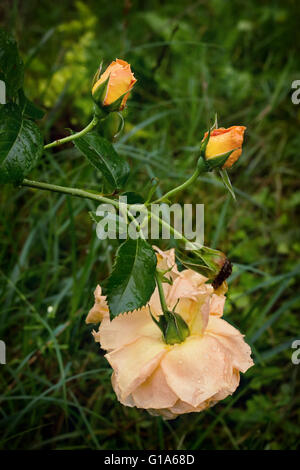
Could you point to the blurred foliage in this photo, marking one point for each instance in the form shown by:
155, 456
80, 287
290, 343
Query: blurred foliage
192, 59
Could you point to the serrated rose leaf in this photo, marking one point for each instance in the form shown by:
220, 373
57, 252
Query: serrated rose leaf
132, 280
11, 65
21, 144
102, 155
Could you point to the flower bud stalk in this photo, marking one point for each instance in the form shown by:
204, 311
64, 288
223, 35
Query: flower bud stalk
172, 325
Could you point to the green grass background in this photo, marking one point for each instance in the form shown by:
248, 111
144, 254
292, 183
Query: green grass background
192, 59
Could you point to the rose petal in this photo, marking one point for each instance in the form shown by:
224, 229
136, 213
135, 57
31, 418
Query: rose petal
219, 326
126, 328
128, 401
166, 260
223, 140
154, 392
230, 387
217, 305
96, 336
121, 80
233, 340
197, 368
100, 308
195, 313
182, 407
188, 285
240, 351
194, 296
134, 363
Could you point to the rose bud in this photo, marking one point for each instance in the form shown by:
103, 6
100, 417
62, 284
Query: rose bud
206, 261
223, 142
111, 89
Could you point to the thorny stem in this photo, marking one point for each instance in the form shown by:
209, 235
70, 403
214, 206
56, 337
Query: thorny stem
96, 197
70, 191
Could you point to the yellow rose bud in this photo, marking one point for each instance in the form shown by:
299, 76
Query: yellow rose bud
223, 140
120, 82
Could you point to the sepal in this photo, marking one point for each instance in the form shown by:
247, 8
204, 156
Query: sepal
227, 183
99, 96
163, 277
204, 144
177, 330
116, 105
209, 164
219, 160
100, 93
97, 74
173, 327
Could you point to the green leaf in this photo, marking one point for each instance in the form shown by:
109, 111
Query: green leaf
132, 281
102, 155
21, 144
11, 65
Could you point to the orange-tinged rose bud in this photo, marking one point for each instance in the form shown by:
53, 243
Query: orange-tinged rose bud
223, 140
120, 82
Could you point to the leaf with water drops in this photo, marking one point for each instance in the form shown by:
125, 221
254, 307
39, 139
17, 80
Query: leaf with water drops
21, 144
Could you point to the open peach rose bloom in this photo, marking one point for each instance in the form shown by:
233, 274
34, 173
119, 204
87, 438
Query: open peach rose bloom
170, 380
